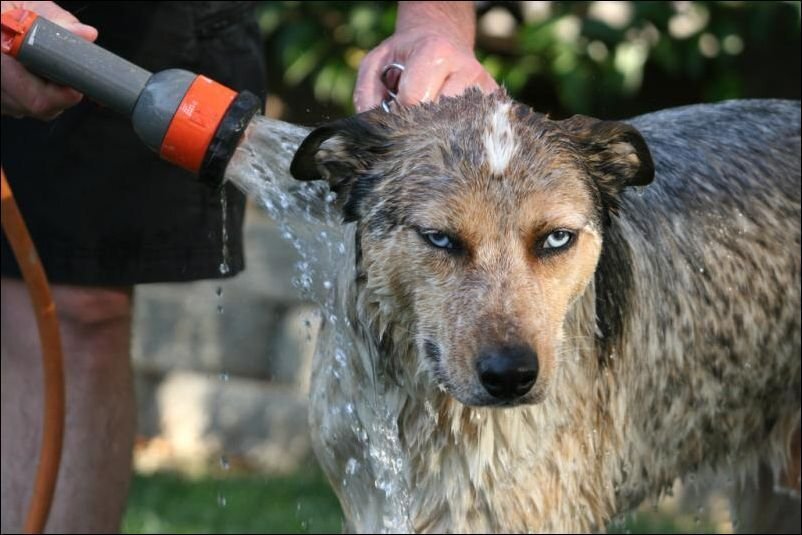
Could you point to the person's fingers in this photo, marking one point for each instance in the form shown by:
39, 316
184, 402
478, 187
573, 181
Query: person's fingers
50, 101
85, 31
10, 106
459, 81
486, 82
33, 95
369, 89
65, 19
433, 66
423, 78
38, 107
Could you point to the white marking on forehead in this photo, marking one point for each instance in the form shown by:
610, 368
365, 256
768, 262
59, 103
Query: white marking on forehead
499, 142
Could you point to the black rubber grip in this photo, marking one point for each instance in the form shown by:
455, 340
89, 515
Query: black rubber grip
227, 137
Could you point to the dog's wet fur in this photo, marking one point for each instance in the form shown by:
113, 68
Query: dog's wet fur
561, 316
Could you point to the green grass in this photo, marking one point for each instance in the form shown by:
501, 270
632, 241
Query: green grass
301, 503
655, 522
168, 503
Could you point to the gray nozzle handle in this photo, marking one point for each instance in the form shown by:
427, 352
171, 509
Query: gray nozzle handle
50, 51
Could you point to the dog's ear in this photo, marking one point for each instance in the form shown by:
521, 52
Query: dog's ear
615, 153
342, 153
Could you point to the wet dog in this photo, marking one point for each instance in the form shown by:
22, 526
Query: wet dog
548, 321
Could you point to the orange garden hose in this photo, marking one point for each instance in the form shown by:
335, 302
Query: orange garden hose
47, 321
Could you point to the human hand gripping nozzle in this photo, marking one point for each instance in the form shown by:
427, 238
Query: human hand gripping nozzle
188, 119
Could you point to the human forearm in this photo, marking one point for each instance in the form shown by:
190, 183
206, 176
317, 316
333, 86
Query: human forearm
457, 20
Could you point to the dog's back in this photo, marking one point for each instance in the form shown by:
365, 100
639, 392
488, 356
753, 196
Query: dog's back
713, 263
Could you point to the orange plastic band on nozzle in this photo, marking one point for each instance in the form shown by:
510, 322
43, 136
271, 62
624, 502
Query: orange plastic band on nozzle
15, 26
195, 123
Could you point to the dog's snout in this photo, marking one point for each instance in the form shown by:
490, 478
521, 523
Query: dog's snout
507, 372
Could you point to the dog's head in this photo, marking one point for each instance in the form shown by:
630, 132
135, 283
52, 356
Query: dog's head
479, 223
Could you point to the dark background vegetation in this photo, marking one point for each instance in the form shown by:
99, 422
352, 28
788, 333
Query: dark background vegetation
611, 61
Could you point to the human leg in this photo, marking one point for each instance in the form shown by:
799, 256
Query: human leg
95, 326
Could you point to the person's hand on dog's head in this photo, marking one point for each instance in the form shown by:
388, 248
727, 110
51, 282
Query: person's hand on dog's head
434, 42
27, 95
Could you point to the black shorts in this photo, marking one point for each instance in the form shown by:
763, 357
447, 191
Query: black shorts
102, 208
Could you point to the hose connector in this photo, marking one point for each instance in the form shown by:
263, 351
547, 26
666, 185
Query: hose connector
193, 121
188, 119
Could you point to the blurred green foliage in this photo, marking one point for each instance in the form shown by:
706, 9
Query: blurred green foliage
608, 59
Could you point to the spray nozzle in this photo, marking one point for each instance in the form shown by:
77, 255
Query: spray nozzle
188, 119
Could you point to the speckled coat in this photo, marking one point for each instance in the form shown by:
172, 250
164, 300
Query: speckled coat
668, 335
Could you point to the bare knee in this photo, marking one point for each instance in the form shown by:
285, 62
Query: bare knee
95, 325
92, 308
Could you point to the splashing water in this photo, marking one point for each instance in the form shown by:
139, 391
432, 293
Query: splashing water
224, 267
307, 218
224, 464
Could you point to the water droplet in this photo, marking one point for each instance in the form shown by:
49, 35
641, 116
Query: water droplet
327, 285
224, 268
219, 309
224, 376
224, 464
221, 500
219, 291
351, 466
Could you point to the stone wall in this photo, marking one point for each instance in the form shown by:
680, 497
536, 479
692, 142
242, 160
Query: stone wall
222, 367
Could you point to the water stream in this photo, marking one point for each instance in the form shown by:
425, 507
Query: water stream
308, 219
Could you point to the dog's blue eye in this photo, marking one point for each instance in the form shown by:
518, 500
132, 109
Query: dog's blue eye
439, 239
558, 239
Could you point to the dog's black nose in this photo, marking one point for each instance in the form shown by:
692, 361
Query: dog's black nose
507, 372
